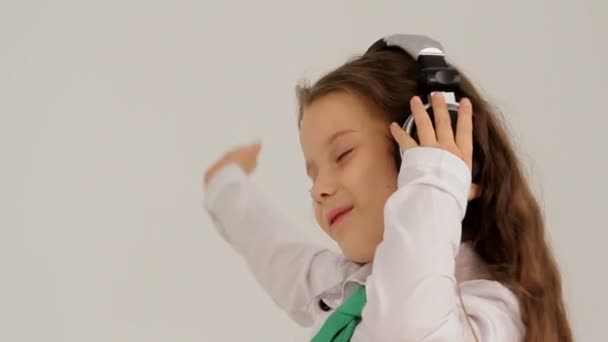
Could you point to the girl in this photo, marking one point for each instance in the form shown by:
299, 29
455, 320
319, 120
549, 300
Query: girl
429, 253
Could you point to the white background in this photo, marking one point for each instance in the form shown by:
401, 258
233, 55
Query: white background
111, 110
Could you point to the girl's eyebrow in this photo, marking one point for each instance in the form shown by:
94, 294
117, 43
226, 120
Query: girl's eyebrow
337, 134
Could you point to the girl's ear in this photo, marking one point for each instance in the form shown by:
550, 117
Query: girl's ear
475, 191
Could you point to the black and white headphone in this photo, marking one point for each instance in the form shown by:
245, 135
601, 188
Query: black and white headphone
437, 76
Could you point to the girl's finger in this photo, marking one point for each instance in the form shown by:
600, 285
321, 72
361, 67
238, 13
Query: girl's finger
404, 140
443, 122
424, 126
255, 147
249, 156
464, 130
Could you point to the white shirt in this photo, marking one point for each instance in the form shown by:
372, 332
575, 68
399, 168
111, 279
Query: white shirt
411, 285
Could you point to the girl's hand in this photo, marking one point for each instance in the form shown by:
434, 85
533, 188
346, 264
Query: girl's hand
244, 156
442, 136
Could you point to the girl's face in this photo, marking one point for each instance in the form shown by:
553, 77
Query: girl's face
347, 146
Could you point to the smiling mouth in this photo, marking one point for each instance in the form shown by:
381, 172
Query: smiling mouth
339, 217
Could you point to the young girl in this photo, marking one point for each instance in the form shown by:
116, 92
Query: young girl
431, 249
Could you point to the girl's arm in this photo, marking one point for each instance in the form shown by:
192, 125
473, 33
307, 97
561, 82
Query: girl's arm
292, 271
412, 291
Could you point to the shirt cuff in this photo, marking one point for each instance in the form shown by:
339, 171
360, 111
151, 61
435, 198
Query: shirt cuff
440, 164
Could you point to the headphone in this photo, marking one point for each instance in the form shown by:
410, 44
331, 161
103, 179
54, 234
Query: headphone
436, 76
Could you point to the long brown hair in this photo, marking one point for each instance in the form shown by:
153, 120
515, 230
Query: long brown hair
504, 224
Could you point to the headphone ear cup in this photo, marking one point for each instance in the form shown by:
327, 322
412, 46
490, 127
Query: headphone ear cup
453, 118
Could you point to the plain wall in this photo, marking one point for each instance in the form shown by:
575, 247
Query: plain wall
110, 111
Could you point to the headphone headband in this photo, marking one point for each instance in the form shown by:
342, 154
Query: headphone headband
437, 75
414, 45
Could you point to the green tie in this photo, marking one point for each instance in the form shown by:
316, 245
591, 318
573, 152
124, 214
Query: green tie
340, 325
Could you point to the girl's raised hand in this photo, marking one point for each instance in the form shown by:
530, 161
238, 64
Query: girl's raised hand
244, 156
442, 136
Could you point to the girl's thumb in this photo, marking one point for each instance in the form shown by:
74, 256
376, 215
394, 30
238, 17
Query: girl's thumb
404, 140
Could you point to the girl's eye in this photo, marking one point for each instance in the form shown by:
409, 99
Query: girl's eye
344, 154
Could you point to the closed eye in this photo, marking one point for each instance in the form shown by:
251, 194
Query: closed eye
344, 154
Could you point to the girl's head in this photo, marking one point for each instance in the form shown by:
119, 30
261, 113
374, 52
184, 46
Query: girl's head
352, 161
349, 157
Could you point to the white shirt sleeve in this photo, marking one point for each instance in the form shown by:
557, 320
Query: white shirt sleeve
291, 270
412, 290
